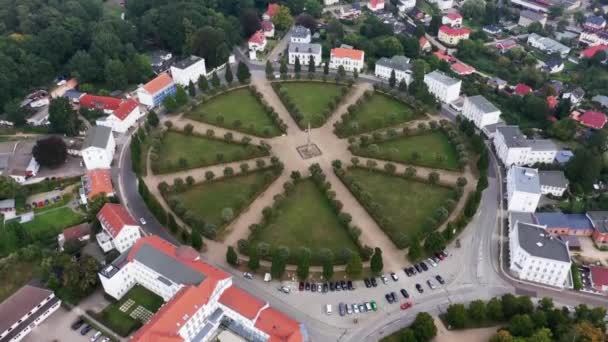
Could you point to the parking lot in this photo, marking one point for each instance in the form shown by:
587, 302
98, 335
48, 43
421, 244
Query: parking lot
56, 328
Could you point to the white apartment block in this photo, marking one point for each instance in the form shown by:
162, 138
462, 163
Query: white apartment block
98, 148
405, 5
304, 52
548, 45
593, 38
445, 88
350, 59
119, 229
400, 64
300, 34
523, 189
188, 70
513, 148
534, 255
481, 111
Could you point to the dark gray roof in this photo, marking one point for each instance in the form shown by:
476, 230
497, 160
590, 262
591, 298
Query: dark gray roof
554, 62
553, 178
167, 266
441, 77
303, 47
542, 145
534, 16
20, 303
536, 241
97, 136
513, 136
599, 219
517, 216
300, 32
525, 179
401, 63
601, 99
483, 104
186, 62
595, 20
561, 220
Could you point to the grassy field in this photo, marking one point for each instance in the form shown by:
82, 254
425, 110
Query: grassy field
16, 274
198, 151
306, 219
120, 322
405, 203
207, 200
434, 150
237, 105
54, 220
312, 99
377, 112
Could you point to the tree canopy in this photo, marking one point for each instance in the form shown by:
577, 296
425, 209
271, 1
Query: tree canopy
50, 152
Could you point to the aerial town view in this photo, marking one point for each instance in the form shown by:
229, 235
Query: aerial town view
304, 170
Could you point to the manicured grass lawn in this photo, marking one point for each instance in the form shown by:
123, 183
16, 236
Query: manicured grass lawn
237, 105
405, 203
198, 151
53, 221
119, 321
305, 219
434, 150
377, 112
312, 99
207, 200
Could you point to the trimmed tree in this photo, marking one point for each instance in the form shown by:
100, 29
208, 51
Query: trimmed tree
303, 264
231, 256
392, 81
311, 65
278, 265
376, 263
50, 152
215, 80
269, 69
254, 259
228, 75
152, 119
191, 89
196, 241
354, 268
242, 73
203, 83
297, 67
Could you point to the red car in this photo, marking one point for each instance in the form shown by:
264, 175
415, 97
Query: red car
406, 305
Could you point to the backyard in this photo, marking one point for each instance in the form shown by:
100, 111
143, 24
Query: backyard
53, 221
239, 110
432, 149
305, 219
180, 151
405, 204
312, 99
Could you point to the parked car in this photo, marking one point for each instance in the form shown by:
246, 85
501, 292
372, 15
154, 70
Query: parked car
337, 286
440, 256
412, 270
418, 268
384, 279
328, 309
95, 336
77, 324
435, 259
343, 284
389, 298
367, 282
440, 279
307, 286
394, 276
325, 287
85, 330
248, 275
407, 272
342, 309
406, 305
424, 266
349, 285
319, 288
332, 287
431, 284
368, 306
313, 287
434, 264
142, 220
301, 286
405, 294
356, 308
362, 308
374, 282
419, 288
373, 305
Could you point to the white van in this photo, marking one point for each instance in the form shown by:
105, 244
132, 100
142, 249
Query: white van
328, 309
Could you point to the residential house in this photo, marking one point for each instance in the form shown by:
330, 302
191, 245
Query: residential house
300, 34
271, 11
554, 65
154, 92
122, 114
481, 111
575, 95
160, 60
73, 96
350, 59
443, 5
96, 182
506, 45
98, 148
462, 69
330, 2
188, 70
257, 41
590, 118
599, 220
593, 38
527, 17
399, 64
599, 278
445, 88
534, 255
7, 205
375, 5
453, 19
543, 6
304, 52
119, 229
548, 45
563, 157
106, 104
24, 310
268, 28
552, 182
81, 233
497, 83
594, 23
592, 50
425, 45
522, 89
199, 298
405, 5
21, 164
452, 35
350, 11
560, 224
492, 29
514, 148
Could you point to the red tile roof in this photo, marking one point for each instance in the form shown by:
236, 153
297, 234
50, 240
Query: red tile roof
591, 51
551, 102
454, 31
443, 57
126, 107
257, 38
423, 42
278, 326
454, 16
522, 89
159, 83
593, 119
99, 182
462, 69
375, 3
241, 301
99, 102
267, 25
599, 275
347, 53
76, 232
114, 217
272, 9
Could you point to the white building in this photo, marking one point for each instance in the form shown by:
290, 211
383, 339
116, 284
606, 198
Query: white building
452, 35
330, 2
350, 59
481, 111
400, 64
513, 148
119, 229
154, 92
188, 70
304, 52
257, 41
21, 164
199, 297
593, 38
534, 255
123, 118
445, 88
98, 148
24, 310
94, 183
553, 183
406, 5
548, 45
453, 19
300, 34
443, 5
523, 189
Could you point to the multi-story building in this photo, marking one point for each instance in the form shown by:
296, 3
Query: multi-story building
553, 183
593, 38
257, 41
400, 64
24, 310
300, 34
154, 92
592, 224
119, 229
537, 256
481, 111
96, 182
80, 233
527, 17
304, 52
199, 297
98, 148
513, 148
453, 19
122, 113
375, 5
350, 59
188, 70
548, 45
544, 5
599, 220
453, 35
445, 88
523, 189
594, 23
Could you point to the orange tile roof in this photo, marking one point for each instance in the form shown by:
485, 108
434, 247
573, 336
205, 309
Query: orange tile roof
241, 301
451, 31
159, 83
278, 326
347, 53
258, 37
99, 182
99, 102
125, 108
114, 217
76, 232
